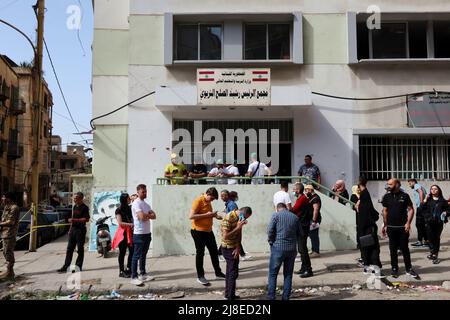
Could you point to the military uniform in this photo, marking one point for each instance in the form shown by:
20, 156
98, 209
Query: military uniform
8, 234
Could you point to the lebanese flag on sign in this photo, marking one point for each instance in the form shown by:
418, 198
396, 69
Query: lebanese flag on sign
262, 76
206, 75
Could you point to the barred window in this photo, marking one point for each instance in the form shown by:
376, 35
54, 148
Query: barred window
425, 158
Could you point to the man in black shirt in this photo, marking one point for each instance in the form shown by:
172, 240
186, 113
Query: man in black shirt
398, 213
77, 232
196, 171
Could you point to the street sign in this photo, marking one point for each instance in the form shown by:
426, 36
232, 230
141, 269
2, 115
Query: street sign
430, 110
233, 87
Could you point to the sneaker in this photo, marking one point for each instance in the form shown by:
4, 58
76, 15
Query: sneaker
62, 270
220, 276
247, 257
417, 244
306, 274
436, 261
367, 271
431, 257
314, 255
300, 271
221, 259
203, 281
394, 273
145, 277
360, 263
136, 282
123, 274
413, 274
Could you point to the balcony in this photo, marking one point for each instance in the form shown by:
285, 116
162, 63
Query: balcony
15, 151
18, 106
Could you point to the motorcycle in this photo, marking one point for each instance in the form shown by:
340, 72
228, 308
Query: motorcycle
103, 237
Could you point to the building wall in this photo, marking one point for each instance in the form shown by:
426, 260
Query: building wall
324, 129
23, 178
8, 172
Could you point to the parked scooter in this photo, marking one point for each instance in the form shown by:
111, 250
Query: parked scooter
103, 237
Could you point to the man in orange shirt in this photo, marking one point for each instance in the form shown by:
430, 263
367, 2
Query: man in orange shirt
202, 221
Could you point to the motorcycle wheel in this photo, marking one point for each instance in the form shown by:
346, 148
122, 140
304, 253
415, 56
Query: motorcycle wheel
104, 250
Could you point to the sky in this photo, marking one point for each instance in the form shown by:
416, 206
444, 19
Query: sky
70, 48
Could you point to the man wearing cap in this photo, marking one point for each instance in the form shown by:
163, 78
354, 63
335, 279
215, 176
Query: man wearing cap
257, 169
9, 226
219, 171
175, 170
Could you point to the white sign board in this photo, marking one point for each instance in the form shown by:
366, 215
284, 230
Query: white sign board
233, 87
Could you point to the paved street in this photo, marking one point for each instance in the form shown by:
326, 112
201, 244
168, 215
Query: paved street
335, 275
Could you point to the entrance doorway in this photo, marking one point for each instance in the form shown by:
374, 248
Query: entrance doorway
241, 157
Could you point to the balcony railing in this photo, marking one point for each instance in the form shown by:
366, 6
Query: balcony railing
248, 180
18, 106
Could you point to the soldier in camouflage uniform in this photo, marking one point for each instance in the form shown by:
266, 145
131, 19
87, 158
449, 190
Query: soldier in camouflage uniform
9, 226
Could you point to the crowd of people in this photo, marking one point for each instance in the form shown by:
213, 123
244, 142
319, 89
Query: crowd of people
176, 172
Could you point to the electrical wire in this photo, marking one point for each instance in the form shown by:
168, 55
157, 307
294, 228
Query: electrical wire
119, 108
380, 98
313, 92
60, 88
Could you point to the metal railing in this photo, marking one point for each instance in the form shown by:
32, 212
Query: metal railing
275, 179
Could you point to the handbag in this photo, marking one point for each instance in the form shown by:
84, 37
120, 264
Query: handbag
367, 240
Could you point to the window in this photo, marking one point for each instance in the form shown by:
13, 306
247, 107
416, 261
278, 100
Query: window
389, 41
404, 40
198, 42
381, 158
267, 41
442, 39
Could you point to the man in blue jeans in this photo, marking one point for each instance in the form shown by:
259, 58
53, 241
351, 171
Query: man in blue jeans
142, 214
282, 231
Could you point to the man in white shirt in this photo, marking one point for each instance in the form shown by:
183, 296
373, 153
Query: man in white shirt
257, 169
232, 171
219, 171
282, 196
142, 214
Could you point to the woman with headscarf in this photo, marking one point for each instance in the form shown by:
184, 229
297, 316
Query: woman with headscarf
354, 198
367, 227
123, 238
436, 210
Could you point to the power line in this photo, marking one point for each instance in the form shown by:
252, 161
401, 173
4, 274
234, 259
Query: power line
379, 98
9, 4
119, 108
78, 29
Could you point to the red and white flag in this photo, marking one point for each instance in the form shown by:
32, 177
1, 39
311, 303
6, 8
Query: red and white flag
262, 76
206, 75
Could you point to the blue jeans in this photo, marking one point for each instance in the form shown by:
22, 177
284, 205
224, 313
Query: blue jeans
278, 257
141, 244
315, 242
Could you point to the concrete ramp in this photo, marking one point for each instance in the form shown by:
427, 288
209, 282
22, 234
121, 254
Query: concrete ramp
171, 230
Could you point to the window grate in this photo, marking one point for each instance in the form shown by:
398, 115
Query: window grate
425, 158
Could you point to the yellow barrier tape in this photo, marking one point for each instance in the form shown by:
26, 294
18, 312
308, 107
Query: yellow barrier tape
36, 227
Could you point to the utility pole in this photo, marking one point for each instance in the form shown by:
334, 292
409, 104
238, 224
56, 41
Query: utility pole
37, 119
